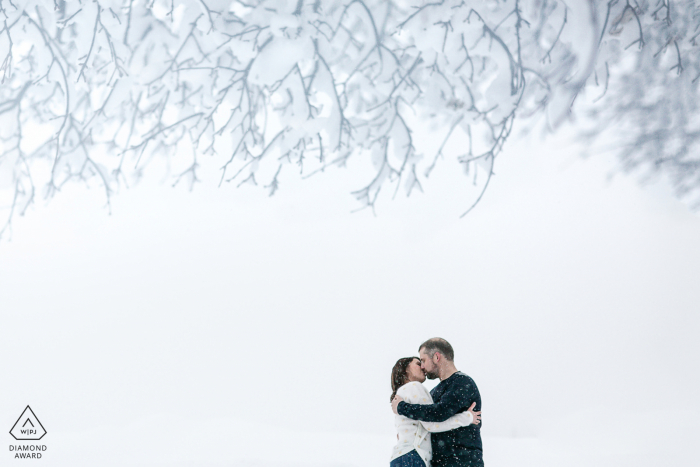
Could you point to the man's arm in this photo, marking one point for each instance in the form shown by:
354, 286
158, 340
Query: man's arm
452, 423
456, 398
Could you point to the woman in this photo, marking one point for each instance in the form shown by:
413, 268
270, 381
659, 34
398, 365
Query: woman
413, 448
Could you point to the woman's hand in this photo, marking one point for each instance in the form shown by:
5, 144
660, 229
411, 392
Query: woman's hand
395, 404
476, 416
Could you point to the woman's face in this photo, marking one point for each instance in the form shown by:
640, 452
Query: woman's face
415, 373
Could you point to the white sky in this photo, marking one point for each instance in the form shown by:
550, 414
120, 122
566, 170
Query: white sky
222, 327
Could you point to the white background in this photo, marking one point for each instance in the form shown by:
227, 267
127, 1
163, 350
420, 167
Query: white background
222, 327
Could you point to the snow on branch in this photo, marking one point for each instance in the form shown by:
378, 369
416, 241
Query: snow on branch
95, 91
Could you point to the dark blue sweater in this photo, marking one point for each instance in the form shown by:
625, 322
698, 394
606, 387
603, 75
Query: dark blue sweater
452, 396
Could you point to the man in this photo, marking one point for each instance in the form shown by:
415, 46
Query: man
455, 393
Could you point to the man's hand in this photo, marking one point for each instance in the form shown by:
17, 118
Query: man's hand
476, 416
395, 404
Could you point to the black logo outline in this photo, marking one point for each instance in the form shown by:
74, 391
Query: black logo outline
20, 418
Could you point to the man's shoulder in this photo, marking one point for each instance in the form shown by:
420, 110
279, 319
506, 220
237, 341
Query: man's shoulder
457, 377
463, 376
460, 379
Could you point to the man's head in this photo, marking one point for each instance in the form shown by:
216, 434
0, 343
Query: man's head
435, 353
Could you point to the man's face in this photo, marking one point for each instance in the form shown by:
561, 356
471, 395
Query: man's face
428, 365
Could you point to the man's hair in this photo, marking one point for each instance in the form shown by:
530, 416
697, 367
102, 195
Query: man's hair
438, 344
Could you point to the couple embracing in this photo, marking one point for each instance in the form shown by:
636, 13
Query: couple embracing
441, 427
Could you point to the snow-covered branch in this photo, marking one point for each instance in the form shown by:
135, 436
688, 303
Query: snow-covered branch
96, 90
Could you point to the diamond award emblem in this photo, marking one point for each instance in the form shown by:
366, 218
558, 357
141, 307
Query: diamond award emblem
28, 427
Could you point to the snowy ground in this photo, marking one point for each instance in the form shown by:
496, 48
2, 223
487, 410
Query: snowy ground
631, 441
222, 328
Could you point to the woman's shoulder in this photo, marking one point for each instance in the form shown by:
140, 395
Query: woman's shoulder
412, 387
414, 383
411, 384
415, 393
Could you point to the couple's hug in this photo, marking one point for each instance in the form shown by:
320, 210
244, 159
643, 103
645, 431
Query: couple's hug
441, 427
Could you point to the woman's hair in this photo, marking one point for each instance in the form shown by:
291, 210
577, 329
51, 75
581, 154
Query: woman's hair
399, 374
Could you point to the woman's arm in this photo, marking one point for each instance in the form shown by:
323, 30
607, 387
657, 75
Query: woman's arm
460, 393
456, 421
416, 393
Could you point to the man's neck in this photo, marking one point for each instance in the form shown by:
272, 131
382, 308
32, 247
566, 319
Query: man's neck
446, 372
